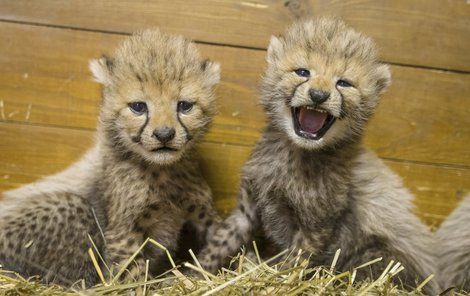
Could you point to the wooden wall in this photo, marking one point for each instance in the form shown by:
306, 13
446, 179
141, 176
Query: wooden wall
48, 103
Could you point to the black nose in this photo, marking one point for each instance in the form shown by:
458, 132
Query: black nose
318, 96
164, 134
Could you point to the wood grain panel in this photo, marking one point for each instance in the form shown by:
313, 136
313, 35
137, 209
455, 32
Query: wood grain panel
431, 33
423, 117
44, 80
30, 152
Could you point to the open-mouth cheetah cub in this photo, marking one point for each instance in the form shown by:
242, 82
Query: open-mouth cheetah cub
141, 179
309, 183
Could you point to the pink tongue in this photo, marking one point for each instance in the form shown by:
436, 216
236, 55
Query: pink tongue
310, 120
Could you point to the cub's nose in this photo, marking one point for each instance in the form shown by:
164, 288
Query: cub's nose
318, 96
164, 134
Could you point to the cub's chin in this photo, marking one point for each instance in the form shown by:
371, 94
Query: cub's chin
164, 157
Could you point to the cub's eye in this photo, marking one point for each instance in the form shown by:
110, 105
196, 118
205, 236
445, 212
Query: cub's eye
302, 72
185, 106
343, 83
138, 108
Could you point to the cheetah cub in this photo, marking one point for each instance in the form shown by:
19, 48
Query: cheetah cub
309, 183
141, 179
454, 248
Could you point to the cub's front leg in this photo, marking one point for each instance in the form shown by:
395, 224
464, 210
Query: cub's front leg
161, 222
127, 198
226, 238
200, 212
121, 243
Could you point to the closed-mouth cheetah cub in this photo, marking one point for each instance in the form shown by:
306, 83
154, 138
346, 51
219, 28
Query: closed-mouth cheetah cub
309, 183
141, 179
453, 240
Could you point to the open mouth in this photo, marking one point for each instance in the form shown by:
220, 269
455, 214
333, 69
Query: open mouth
164, 149
311, 123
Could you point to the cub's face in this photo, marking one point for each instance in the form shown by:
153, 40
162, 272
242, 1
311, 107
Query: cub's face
322, 83
157, 109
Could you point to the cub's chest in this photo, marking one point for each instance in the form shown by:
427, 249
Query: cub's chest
161, 214
163, 207
288, 185
296, 200
164, 187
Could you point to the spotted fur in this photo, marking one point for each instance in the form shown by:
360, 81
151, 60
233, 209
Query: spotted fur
327, 194
126, 188
454, 248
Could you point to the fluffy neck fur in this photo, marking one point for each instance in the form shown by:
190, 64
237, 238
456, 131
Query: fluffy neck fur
324, 176
326, 159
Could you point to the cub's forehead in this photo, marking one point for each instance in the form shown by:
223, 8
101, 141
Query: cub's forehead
157, 73
331, 38
154, 55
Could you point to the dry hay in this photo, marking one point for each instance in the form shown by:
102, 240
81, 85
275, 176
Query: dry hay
248, 275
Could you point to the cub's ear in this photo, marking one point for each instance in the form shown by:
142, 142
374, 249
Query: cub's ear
102, 69
211, 72
384, 78
275, 49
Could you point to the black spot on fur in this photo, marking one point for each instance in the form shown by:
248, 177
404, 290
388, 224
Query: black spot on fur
238, 237
138, 229
130, 242
191, 208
